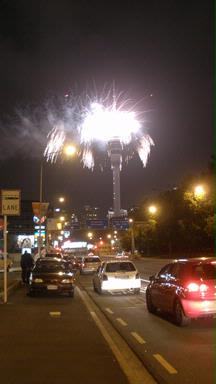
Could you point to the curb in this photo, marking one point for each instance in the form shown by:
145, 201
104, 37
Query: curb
11, 288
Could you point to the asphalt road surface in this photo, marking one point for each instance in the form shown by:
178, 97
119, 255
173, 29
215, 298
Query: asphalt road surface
40, 347
180, 355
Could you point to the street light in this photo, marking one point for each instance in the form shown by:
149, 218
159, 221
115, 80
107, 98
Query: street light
152, 209
199, 192
90, 235
61, 199
132, 236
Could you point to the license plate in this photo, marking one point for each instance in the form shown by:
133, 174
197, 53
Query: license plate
52, 287
122, 277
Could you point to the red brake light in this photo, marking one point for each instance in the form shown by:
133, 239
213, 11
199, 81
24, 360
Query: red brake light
194, 287
203, 288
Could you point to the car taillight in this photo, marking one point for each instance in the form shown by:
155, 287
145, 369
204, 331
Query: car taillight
194, 287
105, 277
137, 275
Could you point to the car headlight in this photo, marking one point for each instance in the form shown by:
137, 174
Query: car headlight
37, 280
66, 281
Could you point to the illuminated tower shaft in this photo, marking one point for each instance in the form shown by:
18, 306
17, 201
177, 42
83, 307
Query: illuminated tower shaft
115, 153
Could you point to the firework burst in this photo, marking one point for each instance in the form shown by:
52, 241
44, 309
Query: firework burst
92, 122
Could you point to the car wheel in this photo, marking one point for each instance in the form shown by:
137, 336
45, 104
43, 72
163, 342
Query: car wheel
180, 318
136, 291
151, 308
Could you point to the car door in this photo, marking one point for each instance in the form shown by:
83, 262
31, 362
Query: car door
158, 288
170, 286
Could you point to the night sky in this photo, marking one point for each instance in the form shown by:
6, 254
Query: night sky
161, 53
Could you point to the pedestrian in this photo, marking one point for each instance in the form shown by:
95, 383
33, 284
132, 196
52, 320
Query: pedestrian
26, 263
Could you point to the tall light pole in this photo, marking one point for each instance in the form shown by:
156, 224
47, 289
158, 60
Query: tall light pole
132, 236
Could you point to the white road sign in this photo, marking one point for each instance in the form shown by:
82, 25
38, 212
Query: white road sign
10, 202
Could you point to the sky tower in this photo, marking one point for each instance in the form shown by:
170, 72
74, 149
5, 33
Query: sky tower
115, 154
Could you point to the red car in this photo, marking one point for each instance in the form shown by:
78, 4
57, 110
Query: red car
184, 288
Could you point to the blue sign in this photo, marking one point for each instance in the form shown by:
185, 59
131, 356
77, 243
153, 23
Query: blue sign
97, 224
119, 223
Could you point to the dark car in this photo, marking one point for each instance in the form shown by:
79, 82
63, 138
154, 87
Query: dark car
184, 288
52, 275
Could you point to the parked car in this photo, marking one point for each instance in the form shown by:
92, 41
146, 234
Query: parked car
52, 275
116, 275
90, 264
9, 262
184, 288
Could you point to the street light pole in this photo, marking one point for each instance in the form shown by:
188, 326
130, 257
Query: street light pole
41, 199
132, 237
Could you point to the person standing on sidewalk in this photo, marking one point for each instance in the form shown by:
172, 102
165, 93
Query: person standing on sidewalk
26, 263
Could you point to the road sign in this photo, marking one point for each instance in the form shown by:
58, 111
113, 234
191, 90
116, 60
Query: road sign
10, 202
40, 209
119, 223
97, 224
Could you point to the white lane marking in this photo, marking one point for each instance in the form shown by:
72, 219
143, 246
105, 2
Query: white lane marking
130, 364
138, 337
121, 321
165, 364
55, 314
109, 311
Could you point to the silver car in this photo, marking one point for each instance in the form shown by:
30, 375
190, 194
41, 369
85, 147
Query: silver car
90, 264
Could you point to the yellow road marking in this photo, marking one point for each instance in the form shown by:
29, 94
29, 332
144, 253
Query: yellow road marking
109, 311
121, 321
165, 364
55, 314
138, 338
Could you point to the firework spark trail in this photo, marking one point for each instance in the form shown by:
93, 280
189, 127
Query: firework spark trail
56, 142
93, 122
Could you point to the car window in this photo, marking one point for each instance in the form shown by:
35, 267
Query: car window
50, 267
164, 271
175, 270
58, 255
92, 260
204, 271
117, 267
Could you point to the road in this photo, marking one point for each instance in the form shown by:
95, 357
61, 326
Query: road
173, 354
71, 342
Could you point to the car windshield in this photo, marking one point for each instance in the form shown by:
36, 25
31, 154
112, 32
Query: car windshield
50, 267
58, 255
120, 267
92, 260
204, 271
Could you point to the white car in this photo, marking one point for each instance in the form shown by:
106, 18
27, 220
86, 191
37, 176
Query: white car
90, 264
117, 275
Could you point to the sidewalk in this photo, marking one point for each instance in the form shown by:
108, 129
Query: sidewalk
14, 281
